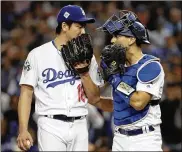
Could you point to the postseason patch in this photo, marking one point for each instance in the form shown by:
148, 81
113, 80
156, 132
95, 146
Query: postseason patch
125, 88
27, 66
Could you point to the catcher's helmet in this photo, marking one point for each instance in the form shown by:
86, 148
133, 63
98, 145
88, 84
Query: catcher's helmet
126, 23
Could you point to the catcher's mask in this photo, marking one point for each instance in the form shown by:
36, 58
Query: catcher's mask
126, 23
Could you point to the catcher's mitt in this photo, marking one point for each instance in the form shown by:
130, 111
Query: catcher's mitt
112, 61
78, 50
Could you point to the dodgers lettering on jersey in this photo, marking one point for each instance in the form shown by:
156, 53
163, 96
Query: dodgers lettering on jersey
51, 75
57, 90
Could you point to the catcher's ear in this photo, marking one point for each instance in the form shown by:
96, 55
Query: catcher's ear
113, 40
65, 27
132, 40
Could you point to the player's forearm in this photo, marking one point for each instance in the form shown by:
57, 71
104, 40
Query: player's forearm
105, 104
139, 100
24, 107
23, 114
92, 91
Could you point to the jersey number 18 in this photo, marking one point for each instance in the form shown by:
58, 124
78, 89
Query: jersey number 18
81, 94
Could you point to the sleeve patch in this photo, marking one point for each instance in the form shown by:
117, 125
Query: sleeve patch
149, 72
27, 66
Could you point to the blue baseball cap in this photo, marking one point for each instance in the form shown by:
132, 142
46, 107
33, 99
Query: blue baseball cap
73, 13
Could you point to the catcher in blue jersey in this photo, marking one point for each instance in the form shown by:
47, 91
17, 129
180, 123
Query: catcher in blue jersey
137, 81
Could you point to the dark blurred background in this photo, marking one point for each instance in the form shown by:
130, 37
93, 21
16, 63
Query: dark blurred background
26, 25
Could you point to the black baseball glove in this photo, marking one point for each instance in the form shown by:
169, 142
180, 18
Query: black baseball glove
78, 50
112, 61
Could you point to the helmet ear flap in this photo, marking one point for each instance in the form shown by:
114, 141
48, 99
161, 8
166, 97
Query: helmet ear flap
147, 34
140, 32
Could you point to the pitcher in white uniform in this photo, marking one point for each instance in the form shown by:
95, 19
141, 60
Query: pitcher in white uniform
60, 101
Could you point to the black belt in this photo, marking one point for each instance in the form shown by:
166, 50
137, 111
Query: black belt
154, 102
64, 117
134, 132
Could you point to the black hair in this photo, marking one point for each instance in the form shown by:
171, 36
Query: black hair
59, 27
138, 43
69, 23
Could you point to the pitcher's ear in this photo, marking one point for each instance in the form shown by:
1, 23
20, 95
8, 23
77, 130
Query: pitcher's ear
65, 26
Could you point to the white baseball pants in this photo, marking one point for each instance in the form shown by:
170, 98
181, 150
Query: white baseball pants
58, 135
148, 141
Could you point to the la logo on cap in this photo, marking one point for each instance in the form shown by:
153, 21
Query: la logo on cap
82, 11
66, 14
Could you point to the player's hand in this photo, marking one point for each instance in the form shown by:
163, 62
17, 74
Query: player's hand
24, 140
81, 65
113, 59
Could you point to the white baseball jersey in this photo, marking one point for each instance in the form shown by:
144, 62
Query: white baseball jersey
56, 90
153, 116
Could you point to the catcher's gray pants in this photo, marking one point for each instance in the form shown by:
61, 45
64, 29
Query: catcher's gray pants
58, 135
148, 141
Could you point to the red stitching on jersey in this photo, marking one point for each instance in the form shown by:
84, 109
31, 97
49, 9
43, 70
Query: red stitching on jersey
81, 95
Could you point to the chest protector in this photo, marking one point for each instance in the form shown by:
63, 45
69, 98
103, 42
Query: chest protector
124, 113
